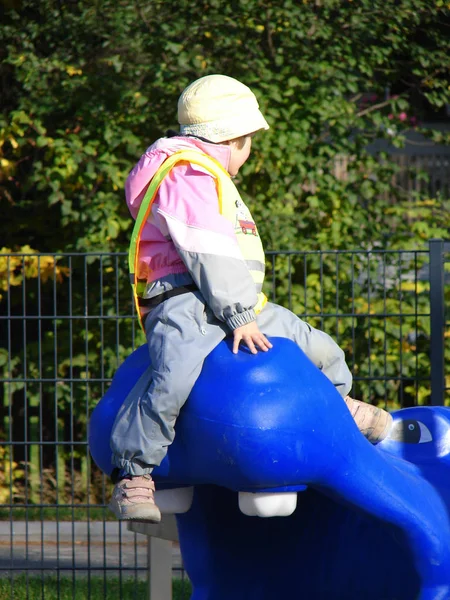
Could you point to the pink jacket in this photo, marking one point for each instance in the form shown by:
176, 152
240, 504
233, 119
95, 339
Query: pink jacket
186, 233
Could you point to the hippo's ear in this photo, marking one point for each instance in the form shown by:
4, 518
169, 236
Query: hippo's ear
410, 431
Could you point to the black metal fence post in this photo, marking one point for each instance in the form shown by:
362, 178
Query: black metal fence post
437, 322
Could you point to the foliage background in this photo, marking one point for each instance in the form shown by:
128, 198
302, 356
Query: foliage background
87, 85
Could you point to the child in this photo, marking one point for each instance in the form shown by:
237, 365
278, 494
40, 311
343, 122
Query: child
197, 267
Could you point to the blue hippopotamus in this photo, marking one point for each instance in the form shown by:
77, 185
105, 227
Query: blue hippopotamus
279, 495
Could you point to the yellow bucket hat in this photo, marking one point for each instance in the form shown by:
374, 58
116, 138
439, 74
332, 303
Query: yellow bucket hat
219, 108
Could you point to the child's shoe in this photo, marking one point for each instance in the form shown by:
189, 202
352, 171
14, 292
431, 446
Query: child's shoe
133, 498
374, 423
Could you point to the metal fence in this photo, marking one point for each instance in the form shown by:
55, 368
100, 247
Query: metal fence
67, 322
424, 174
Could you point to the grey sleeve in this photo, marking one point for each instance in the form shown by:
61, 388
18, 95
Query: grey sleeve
226, 285
188, 209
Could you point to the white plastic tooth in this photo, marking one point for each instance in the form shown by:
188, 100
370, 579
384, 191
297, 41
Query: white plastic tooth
174, 501
266, 504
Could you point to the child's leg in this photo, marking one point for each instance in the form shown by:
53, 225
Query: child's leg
179, 340
373, 422
318, 346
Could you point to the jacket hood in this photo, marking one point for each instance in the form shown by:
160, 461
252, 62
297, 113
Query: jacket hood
156, 154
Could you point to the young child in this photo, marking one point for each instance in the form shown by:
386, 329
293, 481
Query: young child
197, 268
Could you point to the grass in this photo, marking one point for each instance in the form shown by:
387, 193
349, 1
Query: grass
52, 513
81, 588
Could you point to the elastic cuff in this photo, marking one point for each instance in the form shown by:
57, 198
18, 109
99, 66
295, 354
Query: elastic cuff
343, 388
240, 319
129, 467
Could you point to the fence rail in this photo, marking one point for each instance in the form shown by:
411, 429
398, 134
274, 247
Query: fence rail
67, 321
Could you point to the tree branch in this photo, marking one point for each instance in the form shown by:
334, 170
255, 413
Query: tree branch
375, 107
142, 16
269, 38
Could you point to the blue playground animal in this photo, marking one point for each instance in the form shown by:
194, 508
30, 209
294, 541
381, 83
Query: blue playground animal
279, 495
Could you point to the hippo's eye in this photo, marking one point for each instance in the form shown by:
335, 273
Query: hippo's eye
410, 432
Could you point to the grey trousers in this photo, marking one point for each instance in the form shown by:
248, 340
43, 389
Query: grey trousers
181, 332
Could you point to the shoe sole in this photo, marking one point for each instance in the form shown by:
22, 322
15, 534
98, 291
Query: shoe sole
149, 513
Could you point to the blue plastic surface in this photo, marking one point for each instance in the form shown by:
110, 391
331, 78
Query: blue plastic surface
373, 521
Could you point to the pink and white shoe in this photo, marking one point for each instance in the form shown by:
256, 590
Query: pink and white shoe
133, 498
374, 423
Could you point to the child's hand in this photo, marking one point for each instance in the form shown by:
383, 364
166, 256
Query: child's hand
251, 335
